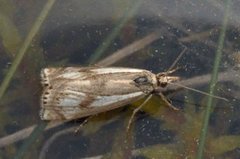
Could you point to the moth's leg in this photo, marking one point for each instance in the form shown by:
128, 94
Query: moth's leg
166, 101
136, 110
82, 124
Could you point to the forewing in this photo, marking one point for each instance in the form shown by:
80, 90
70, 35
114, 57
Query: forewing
70, 93
72, 108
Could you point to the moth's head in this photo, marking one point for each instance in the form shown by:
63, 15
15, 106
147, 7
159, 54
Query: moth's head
164, 78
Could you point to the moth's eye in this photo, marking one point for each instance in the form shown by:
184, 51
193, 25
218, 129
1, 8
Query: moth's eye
141, 80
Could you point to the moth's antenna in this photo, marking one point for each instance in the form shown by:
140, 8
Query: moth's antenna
171, 70
177, 59
198, 91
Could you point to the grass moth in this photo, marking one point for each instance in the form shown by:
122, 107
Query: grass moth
75, 92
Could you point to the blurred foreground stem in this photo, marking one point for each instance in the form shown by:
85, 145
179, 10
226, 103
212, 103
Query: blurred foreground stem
34, 30
213, 82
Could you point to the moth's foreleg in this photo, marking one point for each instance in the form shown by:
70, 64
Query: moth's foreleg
167, 102
136, 110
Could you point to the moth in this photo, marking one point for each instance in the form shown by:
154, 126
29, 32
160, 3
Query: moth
75, 92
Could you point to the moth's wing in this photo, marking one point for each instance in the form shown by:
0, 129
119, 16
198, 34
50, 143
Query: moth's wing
49, 75
57, 105
61, 101
72, 92
72, 106
57, 99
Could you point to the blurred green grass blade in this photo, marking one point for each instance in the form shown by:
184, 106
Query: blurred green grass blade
106, 43
4, 85
34, 30
213, 81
